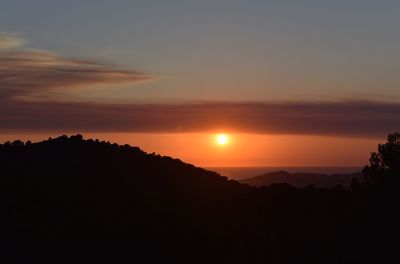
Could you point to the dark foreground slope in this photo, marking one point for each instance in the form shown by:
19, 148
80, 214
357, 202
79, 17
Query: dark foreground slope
69, 200
302, 179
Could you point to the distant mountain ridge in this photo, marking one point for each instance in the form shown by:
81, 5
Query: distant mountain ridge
301, 179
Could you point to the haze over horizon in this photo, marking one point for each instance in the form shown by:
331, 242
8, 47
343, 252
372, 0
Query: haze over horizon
290, 84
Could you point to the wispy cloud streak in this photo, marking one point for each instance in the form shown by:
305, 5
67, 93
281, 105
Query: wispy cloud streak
25, 72
10, 41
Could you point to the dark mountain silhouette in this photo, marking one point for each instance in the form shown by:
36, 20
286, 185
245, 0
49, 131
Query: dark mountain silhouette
302, 179
69, 200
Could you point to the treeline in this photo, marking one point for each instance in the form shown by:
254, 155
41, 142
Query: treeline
69, 199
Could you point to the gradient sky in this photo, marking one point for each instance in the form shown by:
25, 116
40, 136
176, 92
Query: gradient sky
268, 71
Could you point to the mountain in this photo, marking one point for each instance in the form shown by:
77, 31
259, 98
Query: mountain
68, 200
302, 179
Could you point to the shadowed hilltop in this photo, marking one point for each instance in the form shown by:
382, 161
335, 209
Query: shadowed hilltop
302, 179
68, 199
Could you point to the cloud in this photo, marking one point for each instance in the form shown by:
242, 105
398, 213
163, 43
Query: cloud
25, 72
351, 119
10, 41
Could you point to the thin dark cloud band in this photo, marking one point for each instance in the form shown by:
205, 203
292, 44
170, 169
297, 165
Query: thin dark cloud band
352, 118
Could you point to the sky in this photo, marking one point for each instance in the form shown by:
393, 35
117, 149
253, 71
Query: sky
293, 83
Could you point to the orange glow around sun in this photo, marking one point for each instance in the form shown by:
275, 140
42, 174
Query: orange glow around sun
238, 149
222, 139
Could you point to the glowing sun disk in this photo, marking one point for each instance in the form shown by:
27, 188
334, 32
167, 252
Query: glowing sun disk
222, 139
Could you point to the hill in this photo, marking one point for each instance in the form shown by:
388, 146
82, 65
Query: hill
73, 200
302, 179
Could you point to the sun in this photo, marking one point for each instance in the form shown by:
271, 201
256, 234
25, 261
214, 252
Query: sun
222, 139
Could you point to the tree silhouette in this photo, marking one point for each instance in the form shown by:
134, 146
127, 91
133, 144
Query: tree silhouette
384, 165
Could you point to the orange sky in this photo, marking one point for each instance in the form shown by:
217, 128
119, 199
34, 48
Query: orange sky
244, 149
